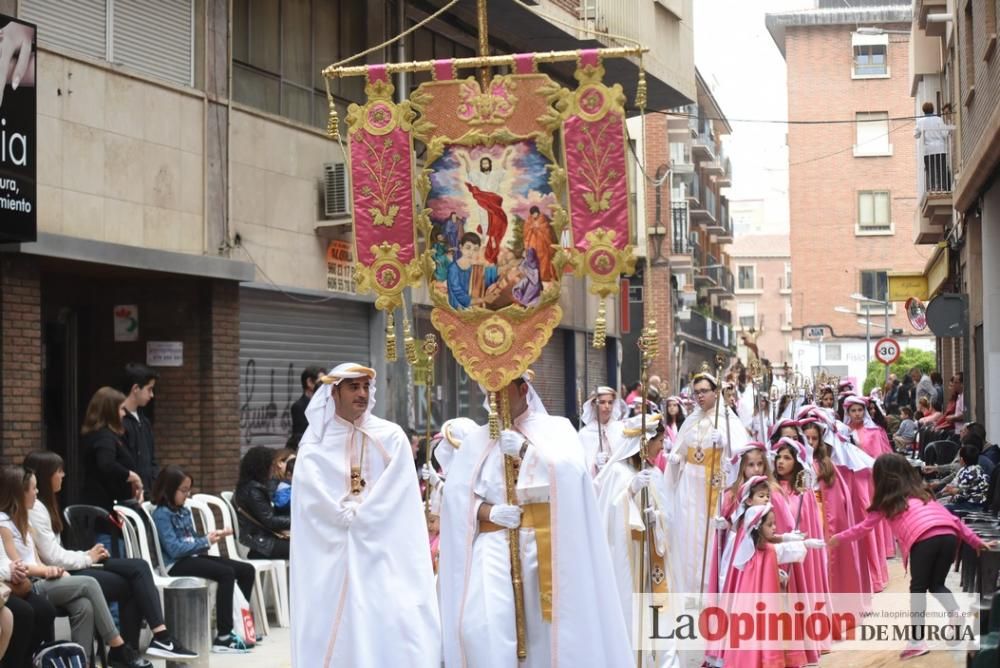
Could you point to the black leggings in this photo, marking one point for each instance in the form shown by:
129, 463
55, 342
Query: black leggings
129, 583
225, 572
279, 551
930, 561
33, 617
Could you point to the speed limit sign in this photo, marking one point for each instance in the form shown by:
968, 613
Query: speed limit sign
887, 350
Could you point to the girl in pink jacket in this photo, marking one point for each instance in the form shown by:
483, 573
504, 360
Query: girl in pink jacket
924, 529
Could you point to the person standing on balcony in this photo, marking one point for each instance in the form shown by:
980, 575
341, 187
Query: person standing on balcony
934, 133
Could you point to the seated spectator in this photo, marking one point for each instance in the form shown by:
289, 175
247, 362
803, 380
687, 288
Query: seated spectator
79, 595
283, 492
954, 414
971, 484
128, 582
185, 552
262, 530
906, 433
929, 413
18, 613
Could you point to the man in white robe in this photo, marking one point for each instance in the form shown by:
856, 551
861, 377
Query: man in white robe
696, 472
573, 616
362, 585
626, 524
602, 417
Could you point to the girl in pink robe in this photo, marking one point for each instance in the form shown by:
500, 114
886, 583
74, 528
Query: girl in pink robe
796, 510
873, 440
755, 491
847, 564
755, 565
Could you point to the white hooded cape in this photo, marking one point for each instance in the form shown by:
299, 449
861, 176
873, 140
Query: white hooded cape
593, 441
688, 488
477, 610
361, 596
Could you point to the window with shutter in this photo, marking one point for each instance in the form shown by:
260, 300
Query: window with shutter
872, 134
149, 36
874, 210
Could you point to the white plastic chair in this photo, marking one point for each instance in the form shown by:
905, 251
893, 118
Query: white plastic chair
136, 530
281, 565
262, 567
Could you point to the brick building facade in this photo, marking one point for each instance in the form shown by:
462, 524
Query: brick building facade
851, 182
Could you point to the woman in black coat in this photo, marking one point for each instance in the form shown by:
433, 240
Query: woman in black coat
108, 466
262, 530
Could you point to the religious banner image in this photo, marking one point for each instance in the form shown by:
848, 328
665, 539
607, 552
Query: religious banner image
492, 239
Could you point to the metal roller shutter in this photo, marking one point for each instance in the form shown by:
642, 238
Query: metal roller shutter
79, 26
550, 374
150, 36
155, 37
278, 338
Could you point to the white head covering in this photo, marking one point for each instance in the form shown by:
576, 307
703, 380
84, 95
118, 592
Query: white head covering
322, 398
855, 400
803, 455
535, 404
753, 519
745, 489
453, 432
738, 452
618, 411
631, 437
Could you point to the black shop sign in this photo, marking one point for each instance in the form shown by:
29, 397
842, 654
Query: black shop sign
18, 195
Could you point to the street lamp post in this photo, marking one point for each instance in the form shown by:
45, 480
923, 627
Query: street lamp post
868, 302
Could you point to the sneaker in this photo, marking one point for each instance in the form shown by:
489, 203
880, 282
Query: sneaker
169, 649
230, 645
913, 651
124, 656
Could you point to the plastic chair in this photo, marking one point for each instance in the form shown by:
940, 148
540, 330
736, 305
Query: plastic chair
280, 575
262, 567
84, 523
156, 552
136, 526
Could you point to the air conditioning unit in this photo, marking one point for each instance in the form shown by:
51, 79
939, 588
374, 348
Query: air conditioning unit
336, 192
684, 314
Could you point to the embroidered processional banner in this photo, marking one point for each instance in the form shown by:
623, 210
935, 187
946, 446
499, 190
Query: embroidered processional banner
522, 183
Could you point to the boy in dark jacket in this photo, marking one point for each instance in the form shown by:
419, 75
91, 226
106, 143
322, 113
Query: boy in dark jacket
138, 390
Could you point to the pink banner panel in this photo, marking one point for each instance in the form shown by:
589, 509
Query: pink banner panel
596, 175
382, 178
444, 70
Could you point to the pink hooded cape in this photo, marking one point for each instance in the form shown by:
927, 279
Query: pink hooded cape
847, 567
760, 576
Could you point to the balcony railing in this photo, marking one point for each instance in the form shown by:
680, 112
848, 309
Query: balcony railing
696, 251
935, 162
680, 229
707, 329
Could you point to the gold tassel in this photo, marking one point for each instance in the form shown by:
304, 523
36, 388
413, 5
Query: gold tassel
390, 338
333, 121
640, 88
494, 417
409, 345
600, 325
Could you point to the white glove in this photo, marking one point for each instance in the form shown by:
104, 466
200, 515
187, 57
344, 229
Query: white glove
430, 475
602, 459
792, 536
675, 458
653, 517
814, 543
506, 516
643, 478
782, 577
511, 442
719, 522
716, 436
344, 514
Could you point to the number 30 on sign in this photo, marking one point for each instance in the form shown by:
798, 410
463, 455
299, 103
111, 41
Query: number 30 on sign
887, 350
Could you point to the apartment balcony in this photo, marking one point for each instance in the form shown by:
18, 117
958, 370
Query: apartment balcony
721, 227
703, 145
722, 282
681, 161
704, 329
705, 209
923, 8
681, 251
724, 233
934, 185
696, 251
725, 179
